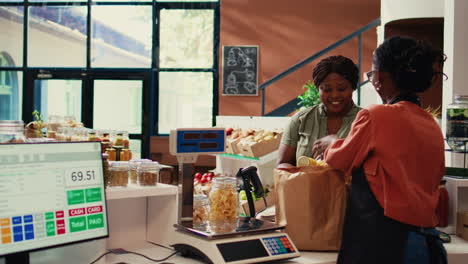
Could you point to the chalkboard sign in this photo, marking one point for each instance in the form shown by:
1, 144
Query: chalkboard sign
240, 64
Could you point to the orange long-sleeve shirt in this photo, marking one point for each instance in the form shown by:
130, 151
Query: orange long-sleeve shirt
401, 149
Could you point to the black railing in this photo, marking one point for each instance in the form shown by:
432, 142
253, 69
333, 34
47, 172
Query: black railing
291, 105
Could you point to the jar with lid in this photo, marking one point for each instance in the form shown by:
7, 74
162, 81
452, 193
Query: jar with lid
134, 163
119, 172
201, 208
125, 154
118, 140
12, 131
148, 173
126, 139
54, 122
224, 205
457, 124
112, 154
92, 136
105, 140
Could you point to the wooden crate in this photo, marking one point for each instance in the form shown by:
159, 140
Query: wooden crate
259, 149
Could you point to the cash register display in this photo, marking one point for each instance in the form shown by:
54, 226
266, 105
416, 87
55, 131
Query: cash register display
51, 194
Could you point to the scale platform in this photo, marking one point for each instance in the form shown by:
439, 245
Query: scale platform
253, 241
245, 225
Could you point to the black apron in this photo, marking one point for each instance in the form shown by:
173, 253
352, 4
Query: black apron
369, 237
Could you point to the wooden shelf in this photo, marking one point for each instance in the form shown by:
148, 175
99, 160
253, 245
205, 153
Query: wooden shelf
113, 193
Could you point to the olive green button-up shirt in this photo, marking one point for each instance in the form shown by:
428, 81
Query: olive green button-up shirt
310, 124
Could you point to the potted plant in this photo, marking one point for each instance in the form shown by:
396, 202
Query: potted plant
310, 97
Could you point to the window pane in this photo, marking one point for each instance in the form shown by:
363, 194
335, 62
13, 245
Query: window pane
11, 32
185, 100
186, 38
57, 36
118, 105
135, 147
121, 36
11, 95
58, 97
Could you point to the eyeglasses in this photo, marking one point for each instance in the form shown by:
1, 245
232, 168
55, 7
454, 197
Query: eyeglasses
369, 74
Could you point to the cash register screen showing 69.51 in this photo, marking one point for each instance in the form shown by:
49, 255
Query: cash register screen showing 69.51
50, 194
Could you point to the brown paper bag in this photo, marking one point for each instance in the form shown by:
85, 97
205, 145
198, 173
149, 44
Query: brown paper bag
311, 203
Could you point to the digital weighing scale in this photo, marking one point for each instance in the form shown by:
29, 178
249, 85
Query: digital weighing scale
253, 241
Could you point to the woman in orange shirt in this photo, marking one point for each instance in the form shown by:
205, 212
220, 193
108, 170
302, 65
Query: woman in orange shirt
395, 152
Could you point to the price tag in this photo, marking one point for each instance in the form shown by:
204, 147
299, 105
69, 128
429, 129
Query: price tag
79, 177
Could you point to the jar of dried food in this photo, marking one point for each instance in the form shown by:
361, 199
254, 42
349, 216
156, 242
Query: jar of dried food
119, 172
12, 131
224, 205
134, 163
457, 124
148, 173
201, 208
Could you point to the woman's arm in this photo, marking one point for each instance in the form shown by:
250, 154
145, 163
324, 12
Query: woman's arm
286, 157
321, 144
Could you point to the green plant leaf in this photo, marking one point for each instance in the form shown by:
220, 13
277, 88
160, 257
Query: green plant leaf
311, 95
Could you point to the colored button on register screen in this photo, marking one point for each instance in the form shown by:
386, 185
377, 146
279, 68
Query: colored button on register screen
51, 194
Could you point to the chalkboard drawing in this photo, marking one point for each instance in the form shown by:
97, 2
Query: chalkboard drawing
240, 70
231, 60
244, 78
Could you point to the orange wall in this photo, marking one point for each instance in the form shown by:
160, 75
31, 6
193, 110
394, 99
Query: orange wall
287, 32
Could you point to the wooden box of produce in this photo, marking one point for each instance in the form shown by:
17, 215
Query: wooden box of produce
231, 145
259, 144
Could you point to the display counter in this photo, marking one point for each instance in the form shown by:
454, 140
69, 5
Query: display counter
138, 214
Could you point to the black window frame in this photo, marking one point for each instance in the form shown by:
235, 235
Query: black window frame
88, 74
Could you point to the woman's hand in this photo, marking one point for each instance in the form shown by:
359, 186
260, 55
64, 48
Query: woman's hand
320, 145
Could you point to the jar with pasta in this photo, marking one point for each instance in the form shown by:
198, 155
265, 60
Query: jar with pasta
119, 172
224, 205
148, 174
201, 208
134, 163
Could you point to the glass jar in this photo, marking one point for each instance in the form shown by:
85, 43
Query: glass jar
126, 139
457, 123
119, 172
119, 140
12, 131
92, 136
134, 163
105, 168
53, 124
201, 208
148, 173
112, 154
125, 154
224, 205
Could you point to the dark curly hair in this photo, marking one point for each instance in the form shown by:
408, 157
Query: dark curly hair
336, 64
409, 62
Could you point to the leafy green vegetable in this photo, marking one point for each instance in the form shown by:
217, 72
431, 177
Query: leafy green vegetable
311, 95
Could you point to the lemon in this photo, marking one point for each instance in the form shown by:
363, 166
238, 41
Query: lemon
305, 161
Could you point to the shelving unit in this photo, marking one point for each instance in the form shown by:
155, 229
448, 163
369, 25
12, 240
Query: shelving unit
114, 193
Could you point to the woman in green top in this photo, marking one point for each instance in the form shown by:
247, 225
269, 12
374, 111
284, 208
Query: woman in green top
311, 130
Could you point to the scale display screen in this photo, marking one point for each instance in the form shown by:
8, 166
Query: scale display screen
189, 141
50, 194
